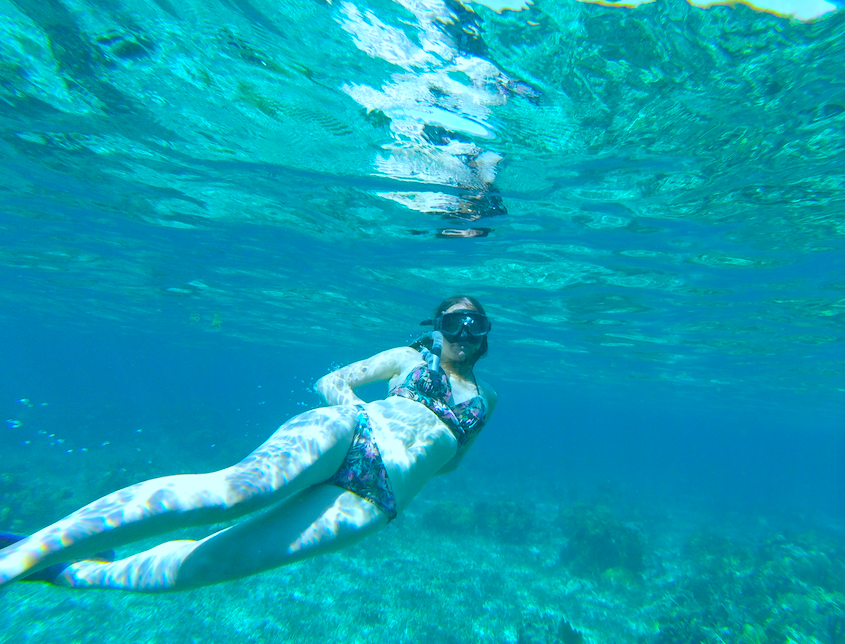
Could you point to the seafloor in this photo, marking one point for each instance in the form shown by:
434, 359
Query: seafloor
525, 561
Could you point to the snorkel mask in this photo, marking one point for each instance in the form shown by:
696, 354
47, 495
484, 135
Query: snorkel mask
457, 326
466, 326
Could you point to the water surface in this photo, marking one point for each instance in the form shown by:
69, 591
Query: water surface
206, 206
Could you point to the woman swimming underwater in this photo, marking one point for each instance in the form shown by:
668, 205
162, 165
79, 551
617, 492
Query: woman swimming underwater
325, 479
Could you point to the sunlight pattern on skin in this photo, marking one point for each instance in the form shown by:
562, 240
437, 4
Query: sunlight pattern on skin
283, 465
152, 570
345, 520
179, 565
346, 511
288, 474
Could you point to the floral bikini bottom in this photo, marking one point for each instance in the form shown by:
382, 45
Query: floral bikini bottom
363, 472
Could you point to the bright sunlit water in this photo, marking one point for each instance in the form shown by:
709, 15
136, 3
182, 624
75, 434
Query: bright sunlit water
205, 206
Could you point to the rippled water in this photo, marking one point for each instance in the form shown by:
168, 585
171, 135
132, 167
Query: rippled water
668, 194
204, 205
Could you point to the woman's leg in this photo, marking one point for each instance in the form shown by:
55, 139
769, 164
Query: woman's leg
321, 519
306, 450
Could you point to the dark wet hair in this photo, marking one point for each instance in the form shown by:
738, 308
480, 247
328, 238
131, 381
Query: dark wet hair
447, 304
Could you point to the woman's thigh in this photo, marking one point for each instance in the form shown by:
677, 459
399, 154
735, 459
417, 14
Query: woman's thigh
305, 451
321, 519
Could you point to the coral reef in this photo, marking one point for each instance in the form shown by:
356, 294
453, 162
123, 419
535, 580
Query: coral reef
450, 517
539, 633
761, 593
25, 503
599, 544
506, 521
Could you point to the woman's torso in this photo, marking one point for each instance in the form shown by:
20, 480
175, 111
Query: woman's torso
414, 442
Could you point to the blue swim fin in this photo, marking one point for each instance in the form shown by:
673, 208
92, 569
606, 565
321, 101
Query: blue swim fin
49, 573
8, 538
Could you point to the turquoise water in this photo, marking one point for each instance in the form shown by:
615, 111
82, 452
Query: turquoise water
204, 207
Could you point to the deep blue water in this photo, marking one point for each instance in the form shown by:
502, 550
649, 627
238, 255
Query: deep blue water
204, 207
213, 401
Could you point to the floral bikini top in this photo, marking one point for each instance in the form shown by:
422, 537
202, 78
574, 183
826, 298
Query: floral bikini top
433, 389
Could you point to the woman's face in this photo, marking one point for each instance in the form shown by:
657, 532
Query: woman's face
463, 350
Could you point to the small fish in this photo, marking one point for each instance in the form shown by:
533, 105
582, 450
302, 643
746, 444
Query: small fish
13, 424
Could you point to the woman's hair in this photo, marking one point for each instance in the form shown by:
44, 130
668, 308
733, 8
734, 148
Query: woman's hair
445, 305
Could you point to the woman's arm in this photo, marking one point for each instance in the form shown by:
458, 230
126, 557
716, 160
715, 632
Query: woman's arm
337, 387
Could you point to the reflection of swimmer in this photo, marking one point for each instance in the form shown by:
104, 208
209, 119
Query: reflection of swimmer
480, 206
326, 479
437, 107
466, 32
520, 88
463, 232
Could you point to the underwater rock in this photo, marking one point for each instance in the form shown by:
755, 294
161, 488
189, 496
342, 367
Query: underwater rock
26, 501
598, 543
836, 629
809, 558
450, 517
757, 594
506, 521
568, 635
7, 482
681, 632
716, 553
534, 632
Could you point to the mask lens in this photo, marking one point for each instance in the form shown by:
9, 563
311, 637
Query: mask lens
457, 323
